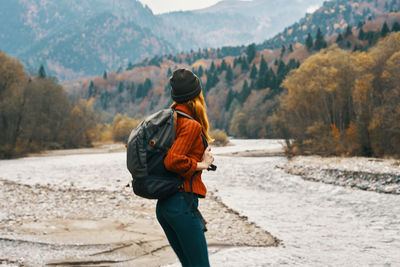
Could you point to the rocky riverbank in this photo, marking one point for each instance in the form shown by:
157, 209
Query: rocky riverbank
45, 225
371, 174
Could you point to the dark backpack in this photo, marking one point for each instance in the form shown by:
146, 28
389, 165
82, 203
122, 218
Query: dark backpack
147, 147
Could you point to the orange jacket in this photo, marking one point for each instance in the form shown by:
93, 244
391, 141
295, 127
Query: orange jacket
186, 151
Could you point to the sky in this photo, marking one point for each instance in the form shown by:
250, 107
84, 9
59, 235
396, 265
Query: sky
163, 6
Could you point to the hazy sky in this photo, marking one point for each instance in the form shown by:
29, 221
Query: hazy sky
162, 6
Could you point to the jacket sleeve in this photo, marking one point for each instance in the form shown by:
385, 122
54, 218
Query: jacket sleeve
177, 159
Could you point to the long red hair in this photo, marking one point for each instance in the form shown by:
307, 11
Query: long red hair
199, 109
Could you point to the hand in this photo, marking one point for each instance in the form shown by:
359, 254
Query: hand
206, 160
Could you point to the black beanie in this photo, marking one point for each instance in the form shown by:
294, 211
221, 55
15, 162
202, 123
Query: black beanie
185, 85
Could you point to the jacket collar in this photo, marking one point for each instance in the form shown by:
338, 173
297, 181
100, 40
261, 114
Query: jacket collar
184, 108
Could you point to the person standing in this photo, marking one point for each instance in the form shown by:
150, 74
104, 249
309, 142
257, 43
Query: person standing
187, 157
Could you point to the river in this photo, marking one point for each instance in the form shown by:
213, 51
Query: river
319, 224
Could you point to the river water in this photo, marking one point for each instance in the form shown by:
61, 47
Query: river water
319, 224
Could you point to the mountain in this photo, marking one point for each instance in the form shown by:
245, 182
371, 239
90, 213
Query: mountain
332, 18
43, 32
104, 42
242, 84
236, 22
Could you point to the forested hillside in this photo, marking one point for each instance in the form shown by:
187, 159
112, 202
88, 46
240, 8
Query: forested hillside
334, 17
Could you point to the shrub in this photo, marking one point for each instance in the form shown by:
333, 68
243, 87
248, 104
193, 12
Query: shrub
220, 137
122, 127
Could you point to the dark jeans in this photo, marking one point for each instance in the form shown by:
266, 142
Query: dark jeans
183, 230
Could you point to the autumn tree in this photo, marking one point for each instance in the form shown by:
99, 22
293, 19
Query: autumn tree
12, 101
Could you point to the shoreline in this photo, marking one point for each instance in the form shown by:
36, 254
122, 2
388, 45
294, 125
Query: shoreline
368, 174
45, 225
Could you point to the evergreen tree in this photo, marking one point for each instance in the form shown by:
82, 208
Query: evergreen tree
121, 87
140, 91
348, 32
253, 72
130, 66
283, 50
105, 75
245, 65
212, 68
260, 84
360, 25
244, 94
169, 73
147, 85
396, 27
385, 29
229, 75
339, 38
309, 42
223, 65
361, 35
229, 99
42, 72
91, 89
251, 52
319, 41
200, 71
290, 48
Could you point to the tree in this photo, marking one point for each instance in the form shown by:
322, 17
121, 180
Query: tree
253, 72
91, 89
42, 72
261, 73
283, 50
229, 75
200, 71
361, 34
229, 98
245, 92
385, 29
169, 72
12, 101
348, 32
339, 38
245, 65
290, 48
319, 41
105, 75
396, 27
251, 52
223, 66
309, 42
130, 66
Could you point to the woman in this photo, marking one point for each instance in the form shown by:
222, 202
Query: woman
187, 157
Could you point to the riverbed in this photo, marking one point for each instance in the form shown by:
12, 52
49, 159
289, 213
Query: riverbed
318, 224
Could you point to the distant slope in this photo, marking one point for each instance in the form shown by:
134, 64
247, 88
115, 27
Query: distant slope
235, 22
104, 42
39, 31
333, 17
